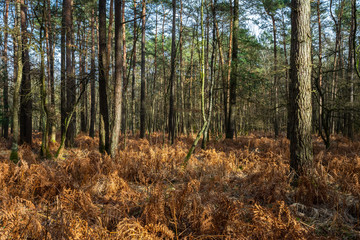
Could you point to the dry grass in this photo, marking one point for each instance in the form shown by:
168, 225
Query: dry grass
234, 190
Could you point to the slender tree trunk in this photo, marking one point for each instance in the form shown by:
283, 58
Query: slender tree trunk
300, 74
51, 74
70, 78
202, 77
133, 119
233, 77
44, 110
104, 112
124, 71
286, 63
63, 68
276, 87
164, 74
16, 98
182, 76
190, 125
172, 77
25, 90
352, 42
324, 130
5, 123
118, 80
338, 25
211, 87
143, 79
82, 47
92, 81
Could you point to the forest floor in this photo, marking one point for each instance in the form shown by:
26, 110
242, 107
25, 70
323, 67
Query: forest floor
237, 189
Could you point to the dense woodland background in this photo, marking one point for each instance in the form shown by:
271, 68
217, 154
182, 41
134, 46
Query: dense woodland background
67, 33
103, 104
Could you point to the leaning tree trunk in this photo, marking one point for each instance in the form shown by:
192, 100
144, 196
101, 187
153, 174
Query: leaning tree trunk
300, 89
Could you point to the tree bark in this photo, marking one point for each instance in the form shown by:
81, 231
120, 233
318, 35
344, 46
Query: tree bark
63, 69
118, 80
351, 66
92, 81
276, 88
133, 115
25, 90
300, 89
16, 98
70, 78
51, 64
172, 77
124, 72
104, 112
5, 123
143, 79
233, 76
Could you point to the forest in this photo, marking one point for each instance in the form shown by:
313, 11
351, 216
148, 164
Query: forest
179, 119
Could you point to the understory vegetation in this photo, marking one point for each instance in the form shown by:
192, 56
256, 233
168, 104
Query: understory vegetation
236, 189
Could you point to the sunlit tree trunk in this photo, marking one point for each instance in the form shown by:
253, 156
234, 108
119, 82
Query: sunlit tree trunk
300, 88
5, 123
16, 98
118, 80
51, 40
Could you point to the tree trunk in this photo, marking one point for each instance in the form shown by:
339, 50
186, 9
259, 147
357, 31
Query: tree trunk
182, 76
63, 68
16, 98
300, 89
276, 88
202, 77
233, 77
44, 152
104, 111
70, 78
51, 64
118, 80
5, 123
133, 115
143, 79
25, 91
124, 71
172, 77
92, 81
351, 61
